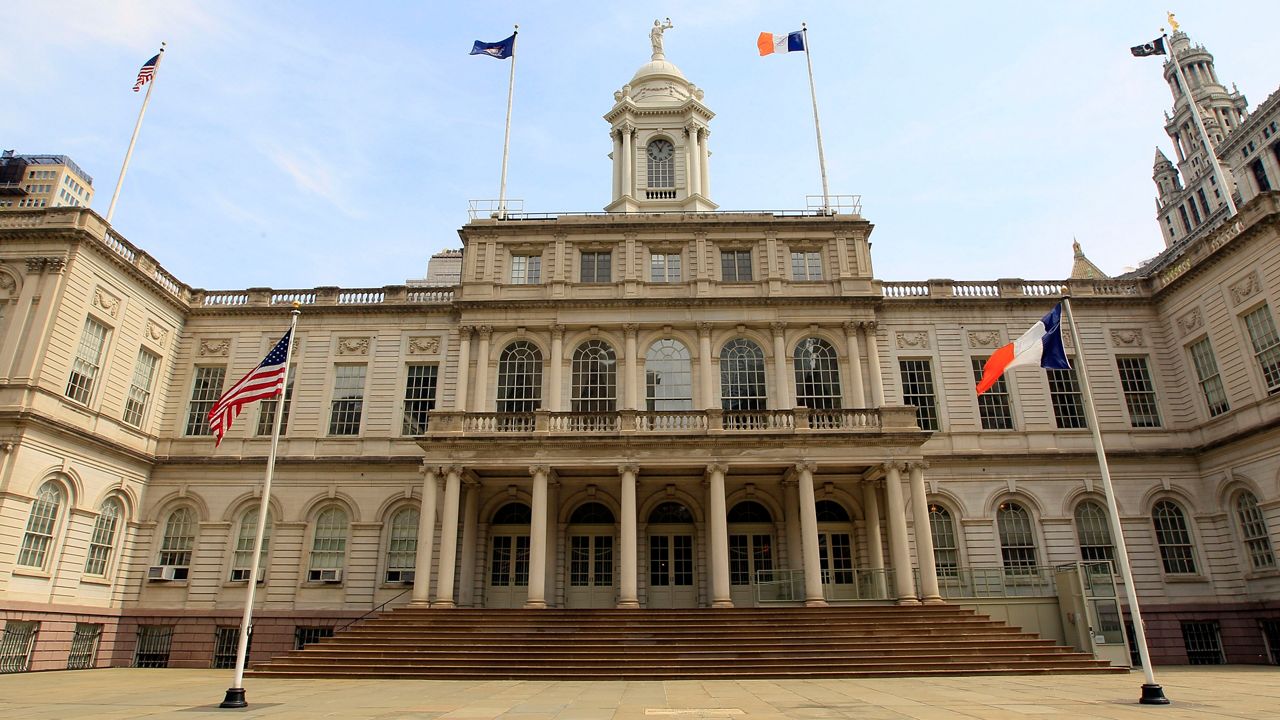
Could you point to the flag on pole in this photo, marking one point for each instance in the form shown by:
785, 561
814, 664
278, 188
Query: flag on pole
147, 72
1041, 345
501, 50
768, 43
1155, 47
262, 383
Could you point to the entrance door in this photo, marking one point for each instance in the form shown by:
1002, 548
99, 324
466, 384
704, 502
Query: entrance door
835, 556
591, 572
508, 584
671, 570
749, 554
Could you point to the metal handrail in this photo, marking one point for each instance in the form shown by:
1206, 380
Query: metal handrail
374, 610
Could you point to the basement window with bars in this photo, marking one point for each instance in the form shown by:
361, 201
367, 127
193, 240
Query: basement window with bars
225, 645
304, 636
993, 405
1139, 392
917, 390
154, 642
1066, 398
16, 645
84, 646
1203, 643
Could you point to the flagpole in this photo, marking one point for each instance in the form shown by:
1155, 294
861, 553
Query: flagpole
813, 93
235, 694
1195, 115
1152, 693
506, 138
111, 210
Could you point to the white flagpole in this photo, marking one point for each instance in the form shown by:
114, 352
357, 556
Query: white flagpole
506, 138
1152, 693
813, 93
111, 210
235, 694
1204, 136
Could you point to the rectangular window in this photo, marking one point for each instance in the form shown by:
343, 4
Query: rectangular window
1203, 643
348, 400
806, 266
204, 392
84, 369
84, 646
917, 390
1139, 391
1266, 346
1215, 395
526, 269
597, 267
1260, 175
135, 405
16, 644
1204, 202
267, 409
1066, 398
304, 636
1195, 211
419, 398
993, 405
154, 642
664, 267
1186, 223
735, 265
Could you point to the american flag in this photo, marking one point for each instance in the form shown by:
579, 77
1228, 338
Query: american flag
262, 383
147, 72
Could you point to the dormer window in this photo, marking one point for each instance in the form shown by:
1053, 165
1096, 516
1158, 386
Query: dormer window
662, 166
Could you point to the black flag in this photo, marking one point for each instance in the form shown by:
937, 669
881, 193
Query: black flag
1155, 47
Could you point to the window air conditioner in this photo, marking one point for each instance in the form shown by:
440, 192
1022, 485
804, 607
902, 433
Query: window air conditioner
242, 575
406, 577
325, 576
161, 573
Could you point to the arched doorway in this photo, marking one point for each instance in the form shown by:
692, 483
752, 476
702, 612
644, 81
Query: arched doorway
751, 546
507, 581
592, 580
835, 551
671, 571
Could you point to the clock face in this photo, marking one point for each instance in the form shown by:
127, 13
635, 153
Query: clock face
660, 150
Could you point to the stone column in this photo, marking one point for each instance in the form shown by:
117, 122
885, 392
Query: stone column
855, 364
704, 166
706, 371
791, 509
426, 536
448, 537
41, 290
782, 386
628, 595
809, 530
899, 551
538, 539
553, 538
481, 400
628, 177
617, 164
692, 161
470, 519
875, 546
629, 381
464, 368
718, 526
873, 365
924, 536
557, 363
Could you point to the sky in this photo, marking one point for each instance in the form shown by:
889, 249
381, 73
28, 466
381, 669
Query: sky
305, 144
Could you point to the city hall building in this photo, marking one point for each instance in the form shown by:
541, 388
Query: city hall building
661, 405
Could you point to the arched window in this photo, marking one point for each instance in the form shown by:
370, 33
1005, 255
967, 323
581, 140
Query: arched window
1094, 533
1017, 539
946, 552
662, 164
515, 513
742, 376
103, 540
1177, 552
817, 375
595, 378
668, 378
329, 546
670, 513
831, 511
592, 513
242, 559
41, 523
749, 511
1253, 527
178, 540
402, 544
520, 378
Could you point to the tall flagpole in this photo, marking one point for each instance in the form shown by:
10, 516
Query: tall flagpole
235, 694
1152, 693
506, 138
1195, 115
813, 93
151, 84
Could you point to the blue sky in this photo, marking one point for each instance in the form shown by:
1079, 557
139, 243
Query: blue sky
300, 144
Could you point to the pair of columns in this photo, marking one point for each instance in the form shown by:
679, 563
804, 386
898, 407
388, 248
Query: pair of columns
697, 168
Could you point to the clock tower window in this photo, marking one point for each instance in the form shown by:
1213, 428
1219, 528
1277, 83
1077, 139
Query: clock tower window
661, 154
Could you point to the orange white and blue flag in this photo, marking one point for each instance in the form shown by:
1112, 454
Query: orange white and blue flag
769, 44
1041, 345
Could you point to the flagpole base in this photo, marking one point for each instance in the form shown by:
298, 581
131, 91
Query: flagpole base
235, 698
1152, 695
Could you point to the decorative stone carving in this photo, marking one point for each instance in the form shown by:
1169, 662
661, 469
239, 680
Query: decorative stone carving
157, 333
1127, 337
215, 347
913, 340
984, 338
1245, 289
42, 264
105, 301
7, 282
353, 346
1190, 322
424, 346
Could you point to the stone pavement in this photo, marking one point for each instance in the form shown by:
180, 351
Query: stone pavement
1199, 692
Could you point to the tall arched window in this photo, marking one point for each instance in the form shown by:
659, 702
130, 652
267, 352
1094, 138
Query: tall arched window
329, 546
595, 378
103, 540
742, 376
817, 375
520, 378
1177, 552
178, 541
1094, 533
1017, 539
662, 164
668, 378
402, 544
1253, 528
41, 524
946, 552
242, 559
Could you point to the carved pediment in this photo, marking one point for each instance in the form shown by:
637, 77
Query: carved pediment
913, 340
1190, 321
215, 347
1128, 337
353, 346
984, 338
1245, 288
424, 346
105, 301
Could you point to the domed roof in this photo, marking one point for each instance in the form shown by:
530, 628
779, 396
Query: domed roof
655, 68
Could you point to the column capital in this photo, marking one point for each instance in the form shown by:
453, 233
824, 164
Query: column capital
868, 325
778, 328
721, 468
892, 466
455, 470
630, 329
557, 332
633, 469
465, 331
806, 465
850, 326
428, 468
626, 128
704, 328
544, 470
917, 465
485, 331
52, 264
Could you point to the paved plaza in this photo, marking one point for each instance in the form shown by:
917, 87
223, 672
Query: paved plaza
1219, 692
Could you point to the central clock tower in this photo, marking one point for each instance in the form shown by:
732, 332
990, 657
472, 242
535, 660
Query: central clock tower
659, 129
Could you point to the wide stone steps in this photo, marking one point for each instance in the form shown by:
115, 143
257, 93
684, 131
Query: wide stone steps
670, 644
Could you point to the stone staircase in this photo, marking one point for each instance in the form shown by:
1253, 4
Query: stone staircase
862, 641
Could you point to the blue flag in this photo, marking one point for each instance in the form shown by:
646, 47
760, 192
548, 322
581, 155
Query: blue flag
501, 50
